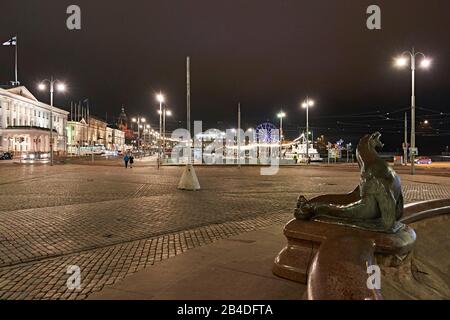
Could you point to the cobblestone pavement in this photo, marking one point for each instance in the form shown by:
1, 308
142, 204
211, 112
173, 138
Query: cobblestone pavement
112, 222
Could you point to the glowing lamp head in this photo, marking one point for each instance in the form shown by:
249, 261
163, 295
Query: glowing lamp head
281, 114
425, 122
168, 113
308, 103
401, 62
160, 98
425, 63
42, 86
134, 120
143, 120
61, 87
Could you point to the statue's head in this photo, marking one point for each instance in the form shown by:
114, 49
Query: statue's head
374, 140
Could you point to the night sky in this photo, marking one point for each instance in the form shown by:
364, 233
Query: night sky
266, 54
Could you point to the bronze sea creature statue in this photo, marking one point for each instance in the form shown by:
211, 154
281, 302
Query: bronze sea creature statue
377, 202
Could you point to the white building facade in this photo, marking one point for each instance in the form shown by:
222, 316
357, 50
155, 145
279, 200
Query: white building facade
83, 137
25, 123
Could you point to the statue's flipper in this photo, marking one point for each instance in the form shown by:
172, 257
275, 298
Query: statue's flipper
301, 211
337, 199
371, 225
365, 208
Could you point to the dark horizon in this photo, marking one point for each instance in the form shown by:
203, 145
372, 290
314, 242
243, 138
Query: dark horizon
267, 55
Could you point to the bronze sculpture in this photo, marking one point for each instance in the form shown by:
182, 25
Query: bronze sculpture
377, 202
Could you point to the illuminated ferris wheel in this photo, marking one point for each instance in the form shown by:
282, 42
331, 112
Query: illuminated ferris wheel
266, 132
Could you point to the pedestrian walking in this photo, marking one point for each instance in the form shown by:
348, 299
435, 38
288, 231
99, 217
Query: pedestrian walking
126, 159
131, 161
295, 158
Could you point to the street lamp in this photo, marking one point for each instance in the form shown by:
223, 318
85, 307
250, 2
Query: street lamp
160, 98
425, 63
164, 113
281, 115
167, 113
306, 104
138, 121
59, 87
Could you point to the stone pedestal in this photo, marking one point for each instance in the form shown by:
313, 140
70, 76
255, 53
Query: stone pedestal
305, 238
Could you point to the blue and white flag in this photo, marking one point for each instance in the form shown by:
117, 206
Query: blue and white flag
11, 42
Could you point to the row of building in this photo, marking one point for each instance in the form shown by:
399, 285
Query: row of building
25, 126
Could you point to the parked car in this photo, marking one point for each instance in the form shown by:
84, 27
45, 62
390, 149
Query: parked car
422, 160
36, 156
6, 156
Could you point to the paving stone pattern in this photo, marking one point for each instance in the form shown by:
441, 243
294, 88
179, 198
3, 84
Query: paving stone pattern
112, 222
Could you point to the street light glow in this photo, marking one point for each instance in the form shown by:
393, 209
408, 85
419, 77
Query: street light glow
61, 87
160, 97
168, 113
41, 86
401, 61
308, 103
425, 63
134, 119
281, 114
143, 120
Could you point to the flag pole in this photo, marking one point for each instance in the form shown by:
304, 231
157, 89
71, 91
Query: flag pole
239, 135
189, 180
188, 102
17, 45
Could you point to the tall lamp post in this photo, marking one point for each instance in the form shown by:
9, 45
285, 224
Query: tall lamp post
160, 98
306, 104
60, 87
138, 121
281, 115
166, 113
147, 135
402, 61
